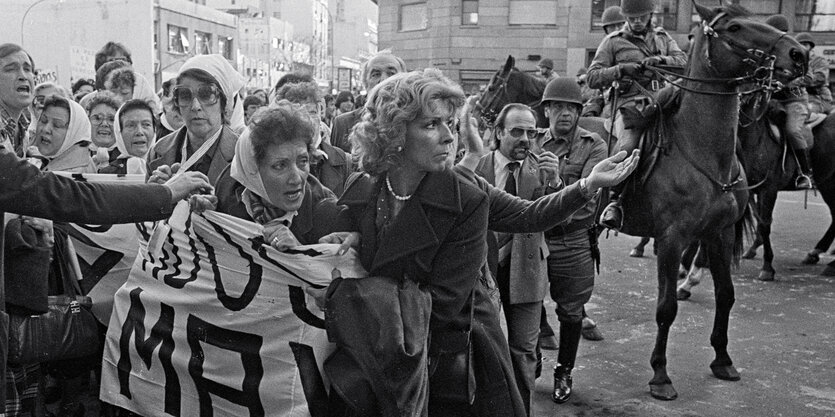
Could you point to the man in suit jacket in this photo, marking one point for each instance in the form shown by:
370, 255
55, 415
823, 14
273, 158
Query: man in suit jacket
381, 66
519, 260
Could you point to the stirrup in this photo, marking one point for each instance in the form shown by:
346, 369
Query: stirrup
803, 182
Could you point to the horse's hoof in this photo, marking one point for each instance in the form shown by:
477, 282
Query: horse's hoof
725, 372
750, 254
636, 253
811, 259
664, 392
682, 294
829, 271
766, 276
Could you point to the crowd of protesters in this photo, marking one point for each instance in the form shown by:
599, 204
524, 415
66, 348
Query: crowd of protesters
400, 173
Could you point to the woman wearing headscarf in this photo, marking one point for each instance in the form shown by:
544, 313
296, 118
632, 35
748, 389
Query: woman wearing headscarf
62, 136
269, 182
207, 97
421, 222
134, 130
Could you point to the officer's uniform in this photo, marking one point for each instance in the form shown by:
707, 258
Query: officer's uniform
623, 46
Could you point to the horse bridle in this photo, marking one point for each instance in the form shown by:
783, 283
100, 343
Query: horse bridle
489, 112
762, 63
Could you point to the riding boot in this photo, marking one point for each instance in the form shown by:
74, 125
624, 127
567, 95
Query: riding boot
804, 180
612, 216
569, 342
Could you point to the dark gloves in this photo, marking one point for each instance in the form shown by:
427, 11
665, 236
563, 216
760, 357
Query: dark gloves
652, 61
629, 69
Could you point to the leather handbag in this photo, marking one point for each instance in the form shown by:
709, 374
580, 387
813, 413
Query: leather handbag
26, 267
68, 329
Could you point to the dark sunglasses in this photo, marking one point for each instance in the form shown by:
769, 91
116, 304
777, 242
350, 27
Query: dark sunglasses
517, 132
39, 100
206, 95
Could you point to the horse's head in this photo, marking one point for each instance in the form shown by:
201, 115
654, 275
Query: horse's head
496, 95
731, 45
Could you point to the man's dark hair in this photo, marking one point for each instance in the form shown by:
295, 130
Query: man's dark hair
81, 82
253, 100
105, 70
292, 78
111, 48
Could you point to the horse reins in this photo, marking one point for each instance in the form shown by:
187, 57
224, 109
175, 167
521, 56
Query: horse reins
761, 61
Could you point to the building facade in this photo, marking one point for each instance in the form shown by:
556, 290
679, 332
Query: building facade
310, 23
354, 39
266, 50
183, 29
470, 39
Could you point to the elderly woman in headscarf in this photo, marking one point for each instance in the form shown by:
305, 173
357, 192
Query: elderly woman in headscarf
43, 92
62, 136
207, 97
134, 129
269, 183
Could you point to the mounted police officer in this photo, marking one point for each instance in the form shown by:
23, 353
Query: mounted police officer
816, 79
546, 69
794, 102
622, 58
611, 20
573, 243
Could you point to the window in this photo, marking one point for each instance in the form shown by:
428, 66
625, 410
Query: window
202, 43
533, 12
413, 17
469, 12
177, 39
814, 16
666, 14
224, 46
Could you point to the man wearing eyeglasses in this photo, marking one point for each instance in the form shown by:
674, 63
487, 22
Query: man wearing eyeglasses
572, 245
518, 261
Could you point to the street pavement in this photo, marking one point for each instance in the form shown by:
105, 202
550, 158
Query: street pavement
781, 338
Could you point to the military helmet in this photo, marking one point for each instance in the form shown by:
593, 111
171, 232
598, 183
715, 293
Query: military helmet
778, 22
805, 38
563, 89
546, 62
612, 16
635, 8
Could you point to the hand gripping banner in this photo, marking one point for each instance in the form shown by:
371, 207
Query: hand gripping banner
203, 325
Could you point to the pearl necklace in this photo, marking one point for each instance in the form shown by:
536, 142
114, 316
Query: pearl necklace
391, 190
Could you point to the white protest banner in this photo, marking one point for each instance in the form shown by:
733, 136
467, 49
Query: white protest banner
203, 325
106, 252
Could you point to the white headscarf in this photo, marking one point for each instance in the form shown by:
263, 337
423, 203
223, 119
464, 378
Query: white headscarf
142, 90
230, 80
244, 169
78, 130
135, 164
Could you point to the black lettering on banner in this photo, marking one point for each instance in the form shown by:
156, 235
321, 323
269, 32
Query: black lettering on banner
170, 279
246, 344
160, 335
255, 273
93, 273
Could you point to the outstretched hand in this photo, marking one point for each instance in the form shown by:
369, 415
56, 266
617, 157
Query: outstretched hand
345, 240
469, 129
612, 170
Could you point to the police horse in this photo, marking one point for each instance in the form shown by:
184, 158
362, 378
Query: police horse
769, 162
696, 189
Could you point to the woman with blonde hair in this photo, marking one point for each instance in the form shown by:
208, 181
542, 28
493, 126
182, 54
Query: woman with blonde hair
421, 223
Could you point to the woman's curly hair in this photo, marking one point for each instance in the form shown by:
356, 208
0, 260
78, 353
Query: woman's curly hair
378, 139
102, 97
282, 122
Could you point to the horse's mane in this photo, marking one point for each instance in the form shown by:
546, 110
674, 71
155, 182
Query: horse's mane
531, 86
735, 10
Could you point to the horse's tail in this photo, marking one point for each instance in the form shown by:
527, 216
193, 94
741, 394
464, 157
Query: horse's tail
744, 227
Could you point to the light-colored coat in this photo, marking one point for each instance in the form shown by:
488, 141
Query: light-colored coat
528, 280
